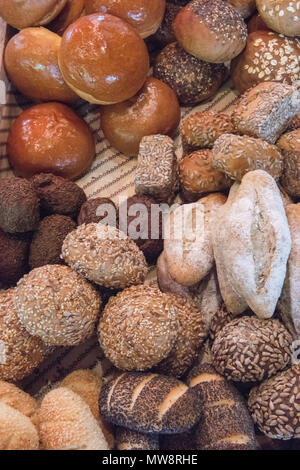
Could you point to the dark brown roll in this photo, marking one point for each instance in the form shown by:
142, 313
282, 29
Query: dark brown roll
244, 7
192, 79
165, 34
13, 257
95, 210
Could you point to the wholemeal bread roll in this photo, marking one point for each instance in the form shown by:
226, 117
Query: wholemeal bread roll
165, 34
266, 110
16, 430
251, 242
265, 59
282, 17
225, 423
67, 423
23, 13
188, 244
244, 7
71, 12
256, 24
236, 155
14, 397
31, 61
197, 29
149, 403
289, 302
289, 145
127, 439
115, 45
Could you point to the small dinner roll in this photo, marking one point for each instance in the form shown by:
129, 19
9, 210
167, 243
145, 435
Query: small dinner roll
70, 13
13, 396
281, 16
23, 13
244, 7
16, 430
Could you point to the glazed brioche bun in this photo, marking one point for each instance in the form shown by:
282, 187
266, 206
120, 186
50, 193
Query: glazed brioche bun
23, 13
50, 138
103, 59
31, 62
153, 110
70, 13
144, 15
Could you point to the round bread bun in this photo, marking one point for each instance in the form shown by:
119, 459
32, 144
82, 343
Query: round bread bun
256, 24
289, 145
31, 61
16, 430
144, 15
13, 396
112, 68
70, 13
24, 13
244, 7
50, 138
133, 440
283, 17
20, 353
14, 256
57, 305
153, 110
165, 34
211, 30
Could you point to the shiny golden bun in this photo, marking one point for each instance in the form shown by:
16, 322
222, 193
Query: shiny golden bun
103, 59
23, 13
144, 15
70, 13
50, 138
31, 61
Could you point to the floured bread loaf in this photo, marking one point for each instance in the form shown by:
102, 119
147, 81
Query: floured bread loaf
252, 242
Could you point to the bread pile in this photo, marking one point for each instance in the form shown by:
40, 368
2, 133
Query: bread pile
204, 358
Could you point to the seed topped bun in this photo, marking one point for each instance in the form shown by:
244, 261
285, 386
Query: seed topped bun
282, 16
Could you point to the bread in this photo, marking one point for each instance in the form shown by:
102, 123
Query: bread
192, 79
182, 442
149, 403
13, 396
124, 327
198, 176
225, 423
266, 110
50, 138
113, 43
251, 242
256, 24
236, 155
282, 17
16, 430
67, 423
294, 124
21, 14
165, 34
274, 405
188, 244
153, 110
289, 145
14, 259
221, 318
20, 353
19, 206
251, 349
57, 305
133, 440
96, 209
143, 15
71, 12
198, 29
157, 170
31, 61
288, 305
265, 59
244, 7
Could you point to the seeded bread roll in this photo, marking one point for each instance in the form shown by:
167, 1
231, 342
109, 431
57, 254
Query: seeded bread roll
211, 30
188, 244
219, 320
57, 305
201, 129
289, 145
226, 423
265, 110
289, 302
274, 405
251, 243
16, 430
149, 403
192, 79
67, 423
14, 397
20, 353
183, 441
125, 324
236, 155
294, 124
133, 440
265, 59
282, 17
165, 34
244, 7
104, 255
250, 349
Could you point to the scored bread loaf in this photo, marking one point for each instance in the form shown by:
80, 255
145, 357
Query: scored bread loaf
149, 403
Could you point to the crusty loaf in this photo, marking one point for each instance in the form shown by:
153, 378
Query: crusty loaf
252, 243
67, 423
149, 403
225, 421
126, 439
16, 430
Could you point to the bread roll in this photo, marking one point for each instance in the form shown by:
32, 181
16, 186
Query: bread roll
251, 242
165, 34
67, 423
21, 14
149, 403
71, 12
282, 17
244, 7
31, 61
16, 430
289, 145
256, 24
14, 397
115, 45
133, 440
